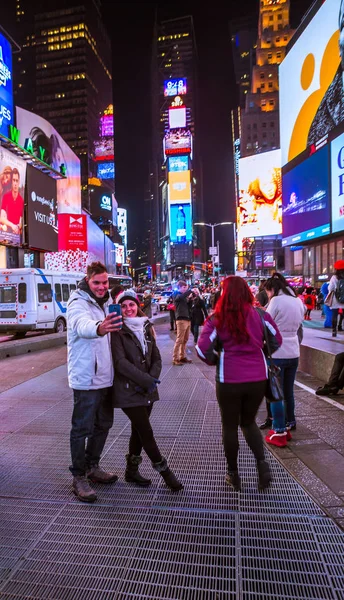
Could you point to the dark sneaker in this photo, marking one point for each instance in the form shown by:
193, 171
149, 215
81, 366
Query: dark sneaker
233, 480
185, 360
177, 363
327, 390
264, 474
267, 424
98, 475
291, 425
83, 490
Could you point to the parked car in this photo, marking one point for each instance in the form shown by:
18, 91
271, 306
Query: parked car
164, 300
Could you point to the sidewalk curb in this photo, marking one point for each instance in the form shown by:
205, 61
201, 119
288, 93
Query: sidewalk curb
25, 346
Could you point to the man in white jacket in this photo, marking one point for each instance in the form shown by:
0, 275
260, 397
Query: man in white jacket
90, 375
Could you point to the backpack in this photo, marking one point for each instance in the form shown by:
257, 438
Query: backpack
339, 293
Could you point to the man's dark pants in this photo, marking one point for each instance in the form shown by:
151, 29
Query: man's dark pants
337, 372
92, 418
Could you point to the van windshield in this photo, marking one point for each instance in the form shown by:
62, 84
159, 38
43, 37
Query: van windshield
8, 294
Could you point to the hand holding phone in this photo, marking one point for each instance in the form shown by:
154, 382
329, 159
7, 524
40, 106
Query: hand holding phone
115, 308
112, 322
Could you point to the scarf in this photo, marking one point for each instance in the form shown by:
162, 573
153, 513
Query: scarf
137, 326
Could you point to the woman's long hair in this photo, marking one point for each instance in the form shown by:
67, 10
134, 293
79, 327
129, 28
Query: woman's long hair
231, 308
278, 283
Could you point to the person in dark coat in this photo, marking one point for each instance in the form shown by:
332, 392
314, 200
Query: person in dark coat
198, 313
147, 303
137, 364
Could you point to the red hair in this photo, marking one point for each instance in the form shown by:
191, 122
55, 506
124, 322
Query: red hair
232, 306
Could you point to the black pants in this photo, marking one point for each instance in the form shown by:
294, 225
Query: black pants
239, 403
172, 319
142, 435
337, 374
335, 313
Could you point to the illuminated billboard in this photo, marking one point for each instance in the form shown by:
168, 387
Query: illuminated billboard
177, 117
175, 87
178, 141
311, 83
106, 170
6, 89
180, 223
306, 203
41, 210
104, 149
106, 126
178, 163
122, 224
179, 187
12, 194
101, 203
337, 180
260, 195
56, 152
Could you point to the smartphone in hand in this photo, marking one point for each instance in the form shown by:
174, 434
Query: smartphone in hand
115, 308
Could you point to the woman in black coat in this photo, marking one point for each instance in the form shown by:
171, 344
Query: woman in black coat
198, 313
137, 365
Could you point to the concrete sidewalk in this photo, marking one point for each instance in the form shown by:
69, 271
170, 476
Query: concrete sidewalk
204, 543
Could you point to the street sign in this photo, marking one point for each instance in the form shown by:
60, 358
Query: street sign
213, 250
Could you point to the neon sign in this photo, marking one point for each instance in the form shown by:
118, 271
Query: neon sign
14, 135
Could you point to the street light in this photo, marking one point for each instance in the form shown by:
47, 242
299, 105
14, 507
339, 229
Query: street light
213, 225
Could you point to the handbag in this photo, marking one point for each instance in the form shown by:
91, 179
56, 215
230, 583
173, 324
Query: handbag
329, 299
171, 306
274, 390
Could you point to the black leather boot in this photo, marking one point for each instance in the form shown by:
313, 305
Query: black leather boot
132, 473
264, 474
233, 480
168, 475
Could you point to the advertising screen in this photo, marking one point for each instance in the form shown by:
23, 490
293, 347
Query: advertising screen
6, 91
337, 187
175, 87
106, 126
306, 204
260, 195
41, 210
122, 224
101, 202
178, 163
72, 232
178, 141
311, 83
104, 149
119, 254
179, 187
106, 170
177, 117
95, 241
12, 194
57, 152
180, 223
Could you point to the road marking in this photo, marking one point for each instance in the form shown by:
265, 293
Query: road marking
328, 400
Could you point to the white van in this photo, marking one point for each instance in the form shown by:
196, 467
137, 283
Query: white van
35, 299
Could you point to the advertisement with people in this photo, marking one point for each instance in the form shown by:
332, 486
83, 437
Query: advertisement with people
306, 203
311, 82
41, 210
259, 210
56, 153
177, 141
6, 86
12, 194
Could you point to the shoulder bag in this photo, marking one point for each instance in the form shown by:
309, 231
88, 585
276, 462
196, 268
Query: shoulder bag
274, 391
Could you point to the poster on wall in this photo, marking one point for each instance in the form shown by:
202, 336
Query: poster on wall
41, 210
260, 196
56, 153
12, 194
311, 82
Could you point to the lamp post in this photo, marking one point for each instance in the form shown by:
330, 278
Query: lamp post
213, 225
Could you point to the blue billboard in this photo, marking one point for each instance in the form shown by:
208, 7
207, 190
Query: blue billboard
180, 223
175, 87
305, 200
6, 91
178, 163
106, 170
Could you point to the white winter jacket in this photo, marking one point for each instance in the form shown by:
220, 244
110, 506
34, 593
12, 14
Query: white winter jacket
288, 313
90, 365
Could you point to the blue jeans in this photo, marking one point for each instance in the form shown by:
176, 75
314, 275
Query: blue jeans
280, 413
92, 418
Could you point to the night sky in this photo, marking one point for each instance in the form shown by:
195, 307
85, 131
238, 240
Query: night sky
131, 33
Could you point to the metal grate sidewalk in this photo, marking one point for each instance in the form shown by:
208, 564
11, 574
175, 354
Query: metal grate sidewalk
204, 543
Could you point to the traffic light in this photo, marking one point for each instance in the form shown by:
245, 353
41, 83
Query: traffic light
210, 267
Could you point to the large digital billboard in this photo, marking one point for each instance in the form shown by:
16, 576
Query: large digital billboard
180, 223
178, 163
72, 233
104, 149
311, 82
260, 196
306, 202
6, 89
175, 87
106, 126
12, 194
56, 153
178, 141
41, 210
106, 170
122, 224
179, 187
177, 117
337, 181
101, 203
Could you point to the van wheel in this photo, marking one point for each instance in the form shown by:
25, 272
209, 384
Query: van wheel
60, 326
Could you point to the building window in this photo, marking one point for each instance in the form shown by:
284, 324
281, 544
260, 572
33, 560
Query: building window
279, 17
324, 259
262, 86
264, 135
317, 260
255, 126
262, 75
269, 55
339, 250
331, 259
272, 124
278, 39
270, 84
264, 125
271, 102
278, 54
280, 26
271, 17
